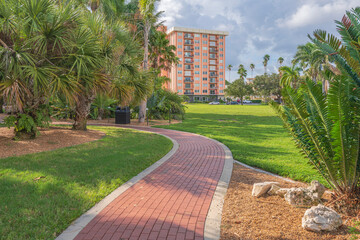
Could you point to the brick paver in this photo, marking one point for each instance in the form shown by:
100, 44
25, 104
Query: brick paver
171, 202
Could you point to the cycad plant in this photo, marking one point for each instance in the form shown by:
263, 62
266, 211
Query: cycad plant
327, 129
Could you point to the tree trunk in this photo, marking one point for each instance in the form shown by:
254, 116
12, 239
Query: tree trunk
241, 100
82, 111
142, 107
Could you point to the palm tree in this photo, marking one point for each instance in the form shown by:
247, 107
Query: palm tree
149, 18
265, 62
252, 67
242, 72
229, 67
280, 61
289, 76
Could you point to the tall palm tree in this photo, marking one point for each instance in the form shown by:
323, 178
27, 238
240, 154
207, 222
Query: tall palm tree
265, 61
252, 67
280, 61
149, 18
229, 67
242, 72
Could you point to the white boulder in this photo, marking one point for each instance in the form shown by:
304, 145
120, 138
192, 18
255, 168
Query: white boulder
301, 197
282, 191
321, 218
259, 189
317, 189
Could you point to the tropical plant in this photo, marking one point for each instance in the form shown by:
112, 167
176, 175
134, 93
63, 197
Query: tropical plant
327, 129
242, 72
266, 60
289, 76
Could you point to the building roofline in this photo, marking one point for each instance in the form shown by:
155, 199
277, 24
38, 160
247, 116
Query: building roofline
195, 30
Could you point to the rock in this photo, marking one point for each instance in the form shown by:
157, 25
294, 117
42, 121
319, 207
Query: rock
321, 218
301, 197
282, 191
317, 189
274, 188
259, 189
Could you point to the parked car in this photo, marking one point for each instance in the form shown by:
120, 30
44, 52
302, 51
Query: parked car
247, 101
214, 103
232, 103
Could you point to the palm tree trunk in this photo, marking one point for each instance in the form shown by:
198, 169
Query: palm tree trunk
82, 111
142, 107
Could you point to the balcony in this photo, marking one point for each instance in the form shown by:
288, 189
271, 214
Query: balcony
213, 38
188, 42
213, 87
213, 75
187, 48
213, 92
213, 56
188, 93
189, 55
213, 50
188, 87
188, 81
190, 36
212, 62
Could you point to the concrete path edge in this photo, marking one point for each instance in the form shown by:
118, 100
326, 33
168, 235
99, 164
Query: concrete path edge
73, 230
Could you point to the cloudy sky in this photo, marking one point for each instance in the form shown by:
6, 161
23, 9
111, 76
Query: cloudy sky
258, 27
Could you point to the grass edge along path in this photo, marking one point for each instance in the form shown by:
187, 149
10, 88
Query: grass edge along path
255, 136
73, 179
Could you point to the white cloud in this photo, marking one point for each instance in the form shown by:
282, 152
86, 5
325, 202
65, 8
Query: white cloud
171, 10
312, 13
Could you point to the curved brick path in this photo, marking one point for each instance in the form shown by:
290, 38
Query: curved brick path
172, 202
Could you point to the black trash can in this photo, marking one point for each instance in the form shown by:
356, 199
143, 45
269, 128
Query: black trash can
122, 115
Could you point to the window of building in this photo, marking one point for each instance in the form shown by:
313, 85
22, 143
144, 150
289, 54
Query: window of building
221, 43
212, 62
197, 78
205, 48
179, 72
179, 91
205, 72
197, 85
204, 79
204, 66
179, 65
187, 73
179, 52
221, 37
221, 61
179, 78
179, 46
212, 68
212, 44
187, 85
197, 91
197, 35
221, 79
197, 54
179, 33
221, 49
204, 54
180, 40
204, 60
221, 67
179, 84
188, 60
204, 42
212, 38
221, 55
180, 59
205, 85
197, 66
204, 35
221, 91
221, 73
221, 85
197, 60
204, 91
197, 48
197, 41
197, 72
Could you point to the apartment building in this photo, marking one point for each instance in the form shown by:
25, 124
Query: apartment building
200, 73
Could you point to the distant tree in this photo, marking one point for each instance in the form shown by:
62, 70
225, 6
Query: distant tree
267, 86
242, 72
229, 67
239, 89
252, 67
280, 61
265, 62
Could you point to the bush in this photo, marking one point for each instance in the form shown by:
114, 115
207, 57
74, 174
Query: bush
256, 101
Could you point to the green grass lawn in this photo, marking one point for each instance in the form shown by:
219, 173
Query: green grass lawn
75, 179
254, 134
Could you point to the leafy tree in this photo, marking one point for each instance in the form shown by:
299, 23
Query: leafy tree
267, 85
239, 89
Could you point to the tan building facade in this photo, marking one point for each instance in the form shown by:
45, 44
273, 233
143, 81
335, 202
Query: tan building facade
200, 73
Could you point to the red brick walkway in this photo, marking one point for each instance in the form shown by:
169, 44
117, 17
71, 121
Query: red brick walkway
171, 202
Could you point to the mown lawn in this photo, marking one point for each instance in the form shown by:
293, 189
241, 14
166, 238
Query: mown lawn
254, 134
75, 179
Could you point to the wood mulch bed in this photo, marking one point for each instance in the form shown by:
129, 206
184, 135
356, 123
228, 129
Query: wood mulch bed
49, 139
247, 218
